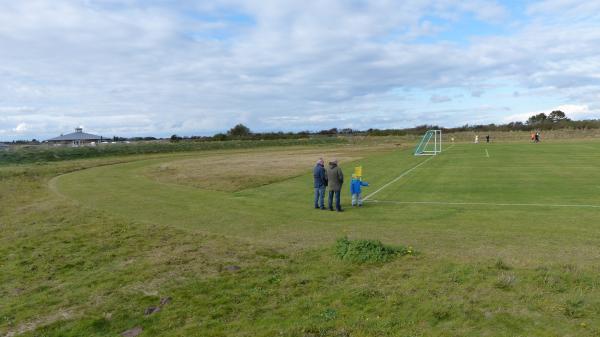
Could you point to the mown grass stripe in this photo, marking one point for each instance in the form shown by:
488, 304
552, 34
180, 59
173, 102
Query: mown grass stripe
480, 204
402, 175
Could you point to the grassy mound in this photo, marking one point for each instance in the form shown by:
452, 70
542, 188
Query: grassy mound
368, 251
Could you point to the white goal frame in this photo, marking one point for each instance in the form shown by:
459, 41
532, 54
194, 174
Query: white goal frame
421, 149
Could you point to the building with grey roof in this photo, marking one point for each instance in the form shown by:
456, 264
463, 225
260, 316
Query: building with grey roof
77, 138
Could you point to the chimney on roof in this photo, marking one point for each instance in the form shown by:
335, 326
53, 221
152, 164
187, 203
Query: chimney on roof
79, 130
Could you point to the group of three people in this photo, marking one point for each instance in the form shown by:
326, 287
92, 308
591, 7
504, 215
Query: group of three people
333, 178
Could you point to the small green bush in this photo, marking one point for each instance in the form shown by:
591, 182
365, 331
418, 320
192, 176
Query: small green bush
368, 251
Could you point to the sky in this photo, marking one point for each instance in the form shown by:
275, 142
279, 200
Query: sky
158, 67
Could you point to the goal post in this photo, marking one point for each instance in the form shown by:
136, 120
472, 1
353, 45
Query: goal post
430, 144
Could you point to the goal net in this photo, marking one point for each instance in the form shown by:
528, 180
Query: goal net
430, 144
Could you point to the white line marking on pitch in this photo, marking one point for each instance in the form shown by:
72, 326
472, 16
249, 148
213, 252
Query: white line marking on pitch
478, 204
487, 154
402, 175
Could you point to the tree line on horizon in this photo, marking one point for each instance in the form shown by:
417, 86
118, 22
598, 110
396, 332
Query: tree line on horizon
553, 121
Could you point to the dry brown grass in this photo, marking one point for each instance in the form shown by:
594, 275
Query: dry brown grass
227, 172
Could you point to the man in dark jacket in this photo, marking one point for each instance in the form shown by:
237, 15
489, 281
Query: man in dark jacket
320, 181
335, 179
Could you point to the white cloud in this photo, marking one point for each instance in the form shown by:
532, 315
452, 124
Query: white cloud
573, 111
21, 128
568, 9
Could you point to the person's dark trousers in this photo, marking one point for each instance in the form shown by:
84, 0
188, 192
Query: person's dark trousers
338, 206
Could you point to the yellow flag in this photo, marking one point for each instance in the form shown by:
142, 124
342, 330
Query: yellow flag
358, 171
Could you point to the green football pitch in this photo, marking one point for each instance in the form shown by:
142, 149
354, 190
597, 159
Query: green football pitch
504, 195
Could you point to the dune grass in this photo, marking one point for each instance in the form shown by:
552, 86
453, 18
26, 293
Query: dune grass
46, 153
261, 262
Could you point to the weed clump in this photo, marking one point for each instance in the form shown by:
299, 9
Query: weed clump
441, 312
368, 251
506, 281
501, 265
574, 308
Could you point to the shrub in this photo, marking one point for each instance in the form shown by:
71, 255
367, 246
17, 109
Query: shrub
365, 251
239, 130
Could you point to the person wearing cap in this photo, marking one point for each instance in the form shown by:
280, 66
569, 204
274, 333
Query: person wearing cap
335, 179
320, 182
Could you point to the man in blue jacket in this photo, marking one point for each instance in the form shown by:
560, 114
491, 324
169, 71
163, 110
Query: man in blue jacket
320, 182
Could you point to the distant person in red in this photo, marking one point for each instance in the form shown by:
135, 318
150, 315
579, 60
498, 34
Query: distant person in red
533, 137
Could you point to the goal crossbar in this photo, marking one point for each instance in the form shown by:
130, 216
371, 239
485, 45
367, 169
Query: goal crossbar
430, 144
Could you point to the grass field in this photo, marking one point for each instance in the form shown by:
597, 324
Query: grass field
507, 239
